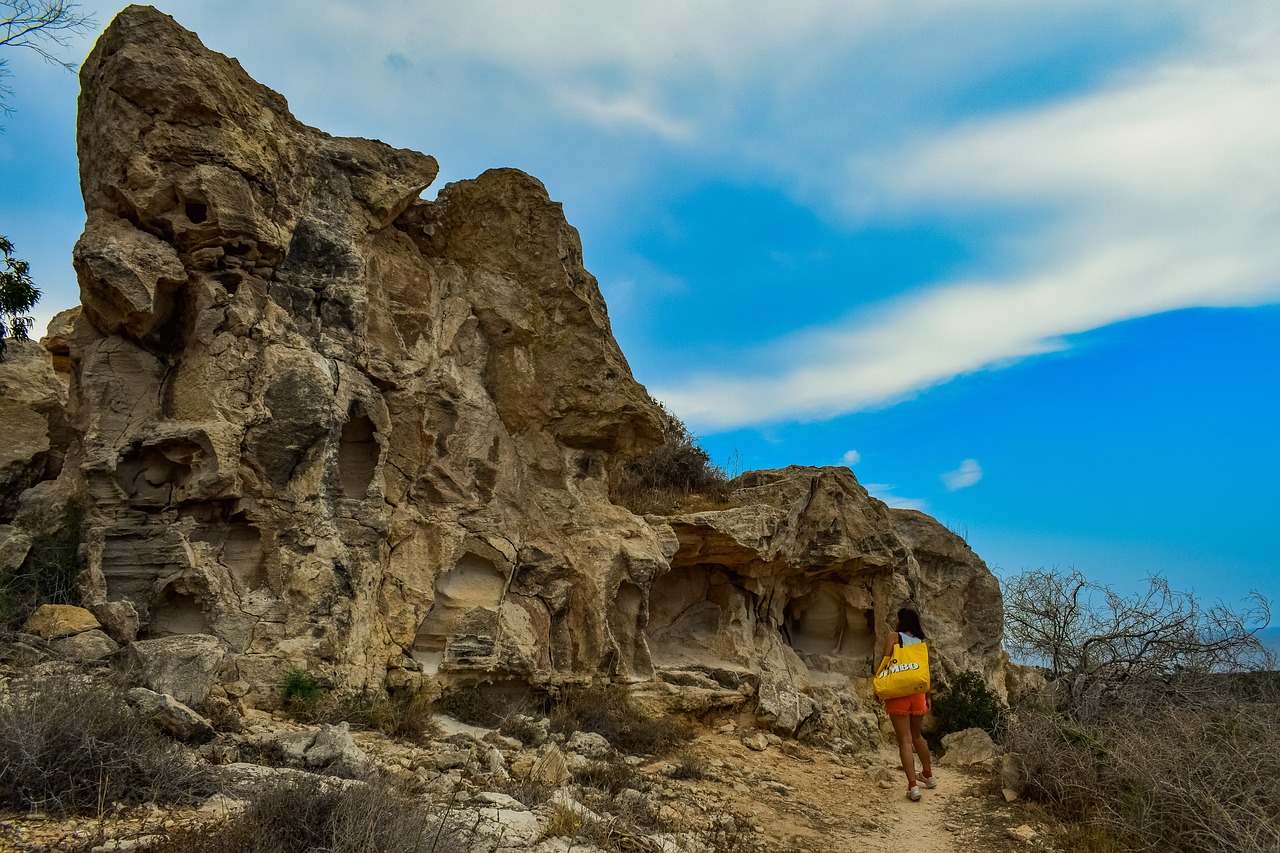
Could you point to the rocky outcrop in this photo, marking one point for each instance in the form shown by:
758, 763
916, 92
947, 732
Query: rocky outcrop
321, 423
796, 589
32, 409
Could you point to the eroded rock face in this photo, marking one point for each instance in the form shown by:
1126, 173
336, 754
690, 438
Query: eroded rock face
800, 586
323, 424
326, 422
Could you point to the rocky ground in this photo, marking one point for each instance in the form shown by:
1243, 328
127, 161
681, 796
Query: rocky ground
730, 788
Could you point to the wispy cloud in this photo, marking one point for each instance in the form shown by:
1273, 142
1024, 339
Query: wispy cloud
1159, 190
851, 458
884, 492
627, 111
968, 474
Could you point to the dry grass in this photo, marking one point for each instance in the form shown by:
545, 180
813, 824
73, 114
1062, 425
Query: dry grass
316, 815
611, 713
71, 746
1196, 771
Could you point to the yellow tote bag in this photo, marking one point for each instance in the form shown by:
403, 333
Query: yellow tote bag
905, 673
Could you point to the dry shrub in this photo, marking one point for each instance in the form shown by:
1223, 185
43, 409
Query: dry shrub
615, 835
607, 776
405, 716
47, 576
676, 476
1198, 770
613, 714
690, 769
318, 815
70, 746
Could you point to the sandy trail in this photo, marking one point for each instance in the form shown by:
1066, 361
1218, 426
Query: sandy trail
803, 800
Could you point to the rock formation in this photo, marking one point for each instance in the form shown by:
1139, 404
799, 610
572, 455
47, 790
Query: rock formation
340, 428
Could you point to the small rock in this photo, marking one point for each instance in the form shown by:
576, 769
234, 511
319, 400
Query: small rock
451, 758
971, 746
550, 768
755, 741
1009, 794
502, 801
1022, 833
85, 646
55, 621
589, 744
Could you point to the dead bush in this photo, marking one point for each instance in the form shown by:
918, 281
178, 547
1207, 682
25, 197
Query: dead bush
1173, 775
69, 746
611, 713
677, 475
403, 716
320, 815
47, 576
610, 777
690, 769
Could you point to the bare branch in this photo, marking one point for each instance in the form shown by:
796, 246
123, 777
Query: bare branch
1096, 640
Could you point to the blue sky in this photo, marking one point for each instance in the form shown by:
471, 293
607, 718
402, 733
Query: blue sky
1015, 263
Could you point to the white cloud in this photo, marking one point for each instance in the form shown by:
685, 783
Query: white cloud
884, 492
968, 474
621, 112
851, 458
1158, 191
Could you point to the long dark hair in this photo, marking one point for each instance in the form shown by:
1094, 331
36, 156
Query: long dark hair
909, 621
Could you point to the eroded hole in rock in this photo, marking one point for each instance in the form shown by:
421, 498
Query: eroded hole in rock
699, 613
148, 475
468, 597
176, 612
237, 544
823, 623
196, 212
357, 456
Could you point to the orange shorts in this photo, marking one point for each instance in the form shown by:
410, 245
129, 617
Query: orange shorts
907, 706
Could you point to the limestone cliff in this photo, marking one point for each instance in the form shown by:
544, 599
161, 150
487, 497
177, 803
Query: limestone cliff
339, 427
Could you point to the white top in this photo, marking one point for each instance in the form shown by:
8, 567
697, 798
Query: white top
908, 640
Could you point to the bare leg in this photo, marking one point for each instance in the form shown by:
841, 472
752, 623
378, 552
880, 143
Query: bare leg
922, 748
902, 727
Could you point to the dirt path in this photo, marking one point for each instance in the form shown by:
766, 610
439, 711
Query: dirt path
803, 800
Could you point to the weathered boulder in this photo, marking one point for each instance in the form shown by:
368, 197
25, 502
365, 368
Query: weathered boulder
971, 746
334, 425
800, 584
171, 716
185, 666
32, 412
54, 621
86, 646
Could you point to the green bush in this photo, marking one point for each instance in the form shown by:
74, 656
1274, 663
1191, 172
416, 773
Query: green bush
969, 704
75, 747
302, 692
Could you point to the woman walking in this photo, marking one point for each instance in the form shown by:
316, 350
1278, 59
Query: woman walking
907, 712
